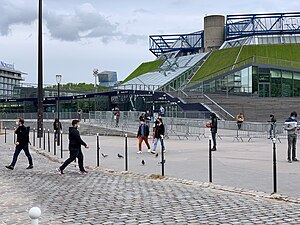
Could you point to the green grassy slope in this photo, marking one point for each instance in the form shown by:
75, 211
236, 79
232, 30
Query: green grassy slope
217, 60
226, 57
144, 68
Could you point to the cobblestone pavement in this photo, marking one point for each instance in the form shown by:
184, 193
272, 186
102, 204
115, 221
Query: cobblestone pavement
104, 197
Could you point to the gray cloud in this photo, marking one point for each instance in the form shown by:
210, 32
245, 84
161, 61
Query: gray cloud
15, 12
85, 22
82, 23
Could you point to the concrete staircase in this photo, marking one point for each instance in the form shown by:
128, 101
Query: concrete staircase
254, 108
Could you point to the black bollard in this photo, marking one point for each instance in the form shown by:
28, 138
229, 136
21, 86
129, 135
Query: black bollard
61, 145
162, 159
209, 160
274, 167
54, 144
40, 141
126, 152
98, 150
49, 141
44, 139
33, 137
5, 134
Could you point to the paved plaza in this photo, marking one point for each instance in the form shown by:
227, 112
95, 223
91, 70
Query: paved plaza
109, 196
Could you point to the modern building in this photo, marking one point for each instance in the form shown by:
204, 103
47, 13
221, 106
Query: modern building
107, 78
9, 79
252, 54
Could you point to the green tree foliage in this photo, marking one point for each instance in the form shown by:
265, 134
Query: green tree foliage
81, 87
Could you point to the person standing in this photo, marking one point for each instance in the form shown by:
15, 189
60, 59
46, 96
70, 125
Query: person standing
158, 134
162, 111
213, 130
239, 120
117, 115
22, 142
142, 135
75, 143
272, 122
57, 127
291, 127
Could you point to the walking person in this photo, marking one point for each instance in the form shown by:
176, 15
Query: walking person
22, 142
75, 143
142, 135
57, 128
291, 127
213, 130
158, 134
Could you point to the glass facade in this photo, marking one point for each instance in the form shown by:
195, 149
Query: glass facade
256, 81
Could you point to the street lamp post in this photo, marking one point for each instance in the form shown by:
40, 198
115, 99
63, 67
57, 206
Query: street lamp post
58, 80
40, 107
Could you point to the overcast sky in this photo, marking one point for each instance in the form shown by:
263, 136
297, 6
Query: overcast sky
109, 35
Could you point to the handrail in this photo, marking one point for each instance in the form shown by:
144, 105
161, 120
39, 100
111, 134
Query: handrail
220, 107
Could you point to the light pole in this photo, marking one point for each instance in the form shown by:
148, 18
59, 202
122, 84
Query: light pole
58, 80
40, 107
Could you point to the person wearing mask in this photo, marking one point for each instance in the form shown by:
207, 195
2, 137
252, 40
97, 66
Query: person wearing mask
75, 143
158, 134
291, 127
22, 142
213, 130
142, 135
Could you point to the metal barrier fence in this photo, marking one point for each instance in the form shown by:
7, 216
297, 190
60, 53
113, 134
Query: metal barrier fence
47, 115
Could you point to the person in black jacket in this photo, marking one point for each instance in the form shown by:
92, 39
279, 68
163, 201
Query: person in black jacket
158, 134
22, 142
57, 128
142, 135
75, 143
213, 130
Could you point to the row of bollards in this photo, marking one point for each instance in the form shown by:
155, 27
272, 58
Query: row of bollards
210, 158
126, 154
210, 162
46, 139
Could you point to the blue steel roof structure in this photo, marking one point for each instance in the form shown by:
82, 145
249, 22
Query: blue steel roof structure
237, 26
245, 25
160, 44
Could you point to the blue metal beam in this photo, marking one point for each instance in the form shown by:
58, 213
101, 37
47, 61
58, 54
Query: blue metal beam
159, 44
238, 26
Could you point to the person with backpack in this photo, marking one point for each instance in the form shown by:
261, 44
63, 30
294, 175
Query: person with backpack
22, 142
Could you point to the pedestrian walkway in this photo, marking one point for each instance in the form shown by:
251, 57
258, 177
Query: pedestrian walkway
104, 197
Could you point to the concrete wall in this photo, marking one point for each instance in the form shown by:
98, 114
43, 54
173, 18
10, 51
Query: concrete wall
214, 32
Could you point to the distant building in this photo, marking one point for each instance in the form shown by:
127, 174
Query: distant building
9, 79
107, 78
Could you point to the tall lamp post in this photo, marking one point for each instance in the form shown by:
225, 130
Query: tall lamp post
40, 107
58, 80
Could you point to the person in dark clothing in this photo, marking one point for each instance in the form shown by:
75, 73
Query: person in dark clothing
22, 142
57, 127
142, 135
158, 134
214, 130
272, 122
75, 143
